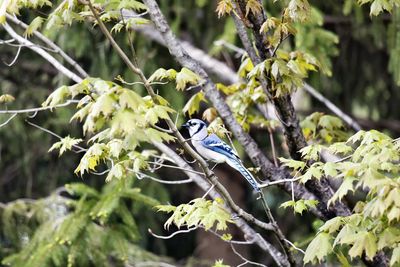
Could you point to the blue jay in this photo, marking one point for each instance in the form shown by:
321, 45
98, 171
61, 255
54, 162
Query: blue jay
212, 148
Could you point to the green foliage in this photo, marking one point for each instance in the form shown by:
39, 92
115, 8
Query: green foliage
224, 7
298, 10
183, 78
6, 98
198, 212
318, 248
193, 105
220, 263
323, 128
300, 205
379, 6
65, 144
13, 6
34, 26
287, 70
76, 230
370, 163
122, 120
312, 38
253, 6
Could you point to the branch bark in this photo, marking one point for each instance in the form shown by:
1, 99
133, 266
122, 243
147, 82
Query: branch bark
249, 233
287, 115
43, 53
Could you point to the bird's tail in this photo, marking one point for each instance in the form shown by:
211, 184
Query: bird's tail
236, 164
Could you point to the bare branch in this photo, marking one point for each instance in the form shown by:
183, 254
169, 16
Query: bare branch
43, 53
8, 120
141, 175
33, 110
173, 234
246, 261
51, 44
240, 222
15, 58
332, 107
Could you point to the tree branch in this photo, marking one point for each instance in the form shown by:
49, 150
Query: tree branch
249, 232
51, 44
42, 53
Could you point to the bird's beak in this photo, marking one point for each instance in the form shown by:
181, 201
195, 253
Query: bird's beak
185, 125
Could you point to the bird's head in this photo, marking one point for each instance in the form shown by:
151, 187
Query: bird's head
197, 128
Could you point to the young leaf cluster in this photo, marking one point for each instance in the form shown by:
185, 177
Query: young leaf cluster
120, 119
324, 128
198, 212
370, 165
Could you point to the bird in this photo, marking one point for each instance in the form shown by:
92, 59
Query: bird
211, 147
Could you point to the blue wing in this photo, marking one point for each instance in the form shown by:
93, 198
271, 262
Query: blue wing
213, 143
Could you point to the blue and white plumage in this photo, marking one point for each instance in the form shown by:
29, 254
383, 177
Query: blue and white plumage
211, 147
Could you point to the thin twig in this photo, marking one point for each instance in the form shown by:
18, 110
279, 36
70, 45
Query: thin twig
271, 139
295, 247
15, 58
246, 261
176, 167
30, 110
279, 182
208, 191
173, 234
42, 53
143, 175
48, 42
54, 134
8, 120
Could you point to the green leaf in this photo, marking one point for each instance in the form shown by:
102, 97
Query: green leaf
34, 26
345, 187
65, 144
220, 263
130, 99
312, 172
104, 105
300, 205
3, 10
253, 6
332, 225
117, 171
365, 241
293, 164
162, 73
330, 169
57, 97
165, 208
395, 256
319, 248
131, 4
226, 237
330, 122
184, 77
6, 98
388, 237
193, 105
246, 67
379, 6
224, 7
311, 152
340, 148
342, 259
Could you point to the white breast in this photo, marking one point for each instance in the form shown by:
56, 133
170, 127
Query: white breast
208, 154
